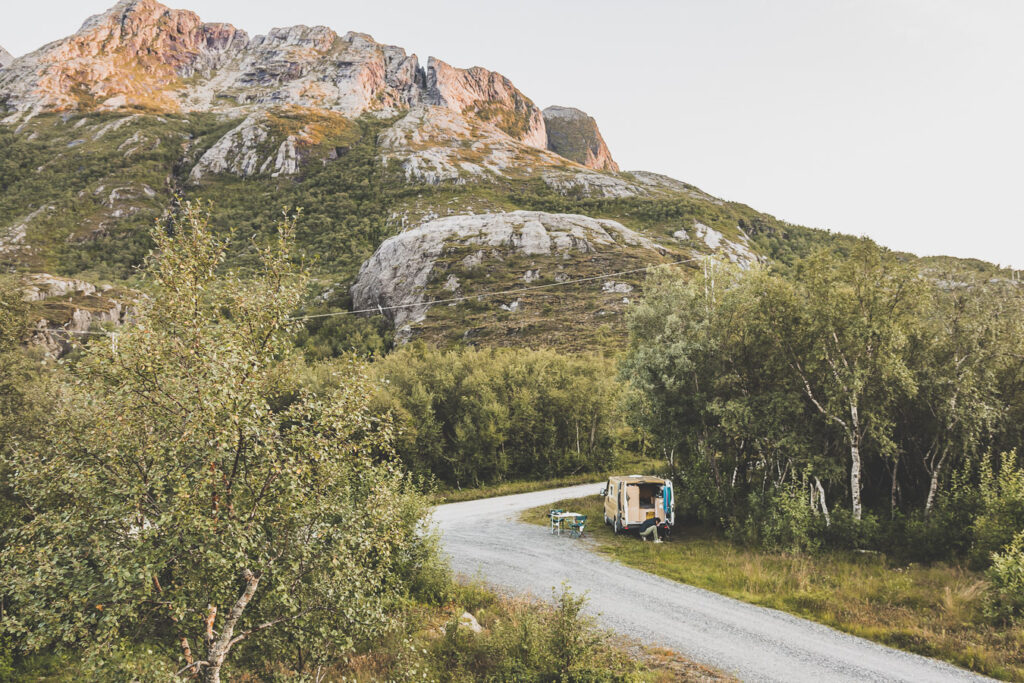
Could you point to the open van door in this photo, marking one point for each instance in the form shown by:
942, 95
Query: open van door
669, 500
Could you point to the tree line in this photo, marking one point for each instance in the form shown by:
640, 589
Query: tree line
470, 417
850, 400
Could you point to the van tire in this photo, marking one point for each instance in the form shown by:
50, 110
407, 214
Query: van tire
607, 521
618, 525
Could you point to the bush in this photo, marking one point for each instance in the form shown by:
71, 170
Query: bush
947, 533
1005, 599
525, 642
848, 533
782, 519
1002, 506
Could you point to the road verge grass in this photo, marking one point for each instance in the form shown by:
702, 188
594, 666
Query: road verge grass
932, 610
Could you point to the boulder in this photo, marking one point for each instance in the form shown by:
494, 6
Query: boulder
395, 278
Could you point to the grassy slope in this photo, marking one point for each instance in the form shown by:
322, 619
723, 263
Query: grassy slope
63, 171
931, 610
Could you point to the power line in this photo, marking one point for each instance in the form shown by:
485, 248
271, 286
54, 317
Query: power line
482, 295
62, 329
381, 309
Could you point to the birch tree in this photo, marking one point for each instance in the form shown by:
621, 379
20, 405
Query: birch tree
962, 338
843, 325
186, 495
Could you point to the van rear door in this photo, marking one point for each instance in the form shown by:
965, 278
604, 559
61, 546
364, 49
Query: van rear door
669, 501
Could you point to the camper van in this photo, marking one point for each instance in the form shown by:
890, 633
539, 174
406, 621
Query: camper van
629, 501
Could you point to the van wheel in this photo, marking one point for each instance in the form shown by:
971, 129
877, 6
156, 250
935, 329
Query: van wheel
607, 521
618, 525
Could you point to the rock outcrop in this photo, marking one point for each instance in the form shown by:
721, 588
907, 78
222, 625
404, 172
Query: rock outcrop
490, 97
738, 251
67, 308
574, 135
5, 58
398, 273
142, 55
244, 151
436, 144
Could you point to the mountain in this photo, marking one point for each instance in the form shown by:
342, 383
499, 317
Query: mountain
417, 182
5, 58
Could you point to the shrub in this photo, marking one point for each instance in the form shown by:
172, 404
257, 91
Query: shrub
947, 533
526, 642
1005, 598
1002, 506
783, 519
848, 533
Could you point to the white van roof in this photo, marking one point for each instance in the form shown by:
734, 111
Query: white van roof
638, 479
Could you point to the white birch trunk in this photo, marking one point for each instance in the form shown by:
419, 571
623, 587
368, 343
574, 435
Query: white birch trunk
933, 486
821, 498
855, 461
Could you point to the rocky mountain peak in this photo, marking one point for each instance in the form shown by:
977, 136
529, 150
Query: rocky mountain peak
574, 135
126, 56
489, 96
5, 58
142, 55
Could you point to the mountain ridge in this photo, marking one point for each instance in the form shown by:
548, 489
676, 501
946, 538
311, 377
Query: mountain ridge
106, 131
142, 55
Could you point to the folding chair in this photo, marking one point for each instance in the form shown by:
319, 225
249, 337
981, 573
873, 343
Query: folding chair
577, 525
554, 523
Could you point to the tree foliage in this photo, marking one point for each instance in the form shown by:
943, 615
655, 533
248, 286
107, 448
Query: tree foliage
845, 379
471, 417
185, 494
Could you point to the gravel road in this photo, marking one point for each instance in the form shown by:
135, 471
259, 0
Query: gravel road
484, 540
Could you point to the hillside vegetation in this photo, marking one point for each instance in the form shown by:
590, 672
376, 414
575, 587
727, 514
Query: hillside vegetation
189, 498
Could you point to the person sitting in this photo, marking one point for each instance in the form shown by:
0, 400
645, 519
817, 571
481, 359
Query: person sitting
650, 528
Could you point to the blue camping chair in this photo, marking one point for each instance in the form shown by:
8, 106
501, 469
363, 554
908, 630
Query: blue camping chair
577, 525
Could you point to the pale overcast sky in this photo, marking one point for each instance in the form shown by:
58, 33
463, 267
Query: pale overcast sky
899, 119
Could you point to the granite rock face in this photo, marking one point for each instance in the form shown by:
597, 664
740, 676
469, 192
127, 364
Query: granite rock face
737, 251
81, 305
5, 58
131, 55
451, 124
143, 55
574, 135
248, 149
490, 97
399, 271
